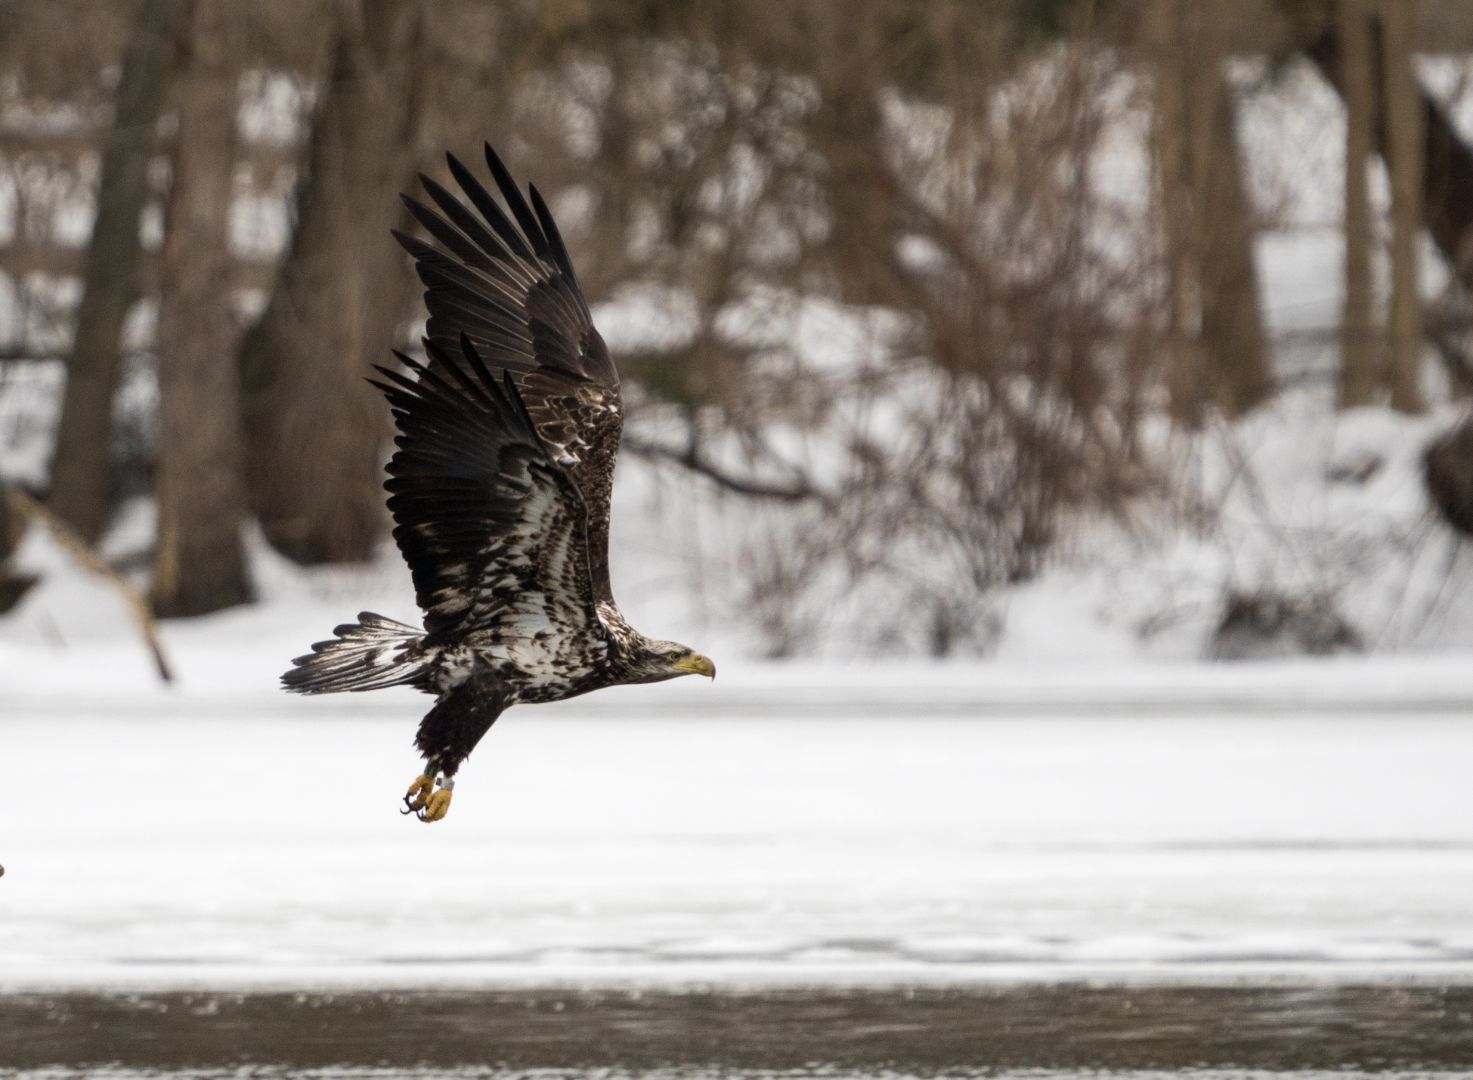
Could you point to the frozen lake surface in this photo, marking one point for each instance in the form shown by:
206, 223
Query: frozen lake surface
175, 842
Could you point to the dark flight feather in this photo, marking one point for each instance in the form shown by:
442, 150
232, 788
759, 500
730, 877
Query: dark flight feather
503, 279
493, 529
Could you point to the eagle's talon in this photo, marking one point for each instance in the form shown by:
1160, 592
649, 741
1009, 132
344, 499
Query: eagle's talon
418, 794
436, 807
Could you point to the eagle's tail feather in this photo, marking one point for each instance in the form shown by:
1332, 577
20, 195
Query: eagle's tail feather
370, 654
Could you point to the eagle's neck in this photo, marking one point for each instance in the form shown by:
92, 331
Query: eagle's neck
624, 640
627, 648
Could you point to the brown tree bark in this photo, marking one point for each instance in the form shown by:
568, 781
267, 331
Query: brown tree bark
1234, 340
1360, 361
315, 431
1447, 171
1217, 351
13, 584
1173, 190
79, 468
199, 564
864, 219
1404, 167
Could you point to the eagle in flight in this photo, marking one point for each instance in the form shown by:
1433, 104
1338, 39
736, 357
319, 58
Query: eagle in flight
499, 488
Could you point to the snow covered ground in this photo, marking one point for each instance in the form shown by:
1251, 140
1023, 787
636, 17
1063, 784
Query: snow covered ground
915, 825
955, 823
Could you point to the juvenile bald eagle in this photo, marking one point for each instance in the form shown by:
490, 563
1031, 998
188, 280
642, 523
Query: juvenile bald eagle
499, 489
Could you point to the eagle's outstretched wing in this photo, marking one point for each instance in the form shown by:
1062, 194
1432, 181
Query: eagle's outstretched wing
510, 288
492, 526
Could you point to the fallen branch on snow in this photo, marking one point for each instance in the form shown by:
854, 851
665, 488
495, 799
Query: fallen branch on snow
87, 557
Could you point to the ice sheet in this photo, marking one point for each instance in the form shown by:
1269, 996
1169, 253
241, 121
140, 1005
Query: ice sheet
205, 847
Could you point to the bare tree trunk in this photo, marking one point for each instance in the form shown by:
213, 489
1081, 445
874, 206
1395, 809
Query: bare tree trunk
1173, 190
1360, 364
199, 564
849, 127
1404, 166
315, 430
1234, 341
1217, 347
1447, 173
13, 584
79, 469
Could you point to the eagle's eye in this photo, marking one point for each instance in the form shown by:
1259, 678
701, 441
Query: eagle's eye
693, 663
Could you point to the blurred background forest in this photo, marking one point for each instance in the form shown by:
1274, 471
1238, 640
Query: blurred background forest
1064, 328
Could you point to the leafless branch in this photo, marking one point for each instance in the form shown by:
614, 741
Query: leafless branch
87, 557
797, 490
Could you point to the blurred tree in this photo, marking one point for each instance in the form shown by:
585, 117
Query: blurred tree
315, 431
732, 176
1447, 164
1233, 333
1170, 130
1360, 360
1404, 165
62, 50
79, 470
847, 127
45, 164
199, 565
1219, 348
13, 584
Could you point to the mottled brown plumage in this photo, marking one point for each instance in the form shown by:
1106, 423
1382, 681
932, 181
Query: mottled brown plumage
499, 486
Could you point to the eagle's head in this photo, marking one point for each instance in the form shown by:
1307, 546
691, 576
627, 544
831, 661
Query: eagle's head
656, 661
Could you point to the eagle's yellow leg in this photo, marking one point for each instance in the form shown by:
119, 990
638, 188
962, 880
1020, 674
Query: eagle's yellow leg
438, 804
418, 795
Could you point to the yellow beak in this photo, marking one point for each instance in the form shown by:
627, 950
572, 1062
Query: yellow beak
696, 664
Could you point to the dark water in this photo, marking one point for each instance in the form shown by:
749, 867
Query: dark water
1067, 1031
